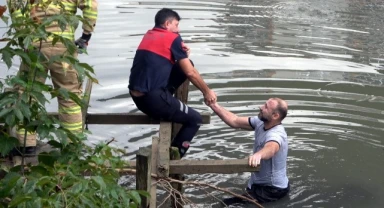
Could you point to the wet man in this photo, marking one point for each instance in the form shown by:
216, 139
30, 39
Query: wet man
160, 66
270, 148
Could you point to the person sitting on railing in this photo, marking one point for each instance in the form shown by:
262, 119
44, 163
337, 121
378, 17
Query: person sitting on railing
270, 148
160, 66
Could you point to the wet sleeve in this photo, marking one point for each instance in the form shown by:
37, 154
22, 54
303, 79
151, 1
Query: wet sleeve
177, 50
89, 8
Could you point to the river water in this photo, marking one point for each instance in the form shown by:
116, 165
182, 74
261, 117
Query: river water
324, 57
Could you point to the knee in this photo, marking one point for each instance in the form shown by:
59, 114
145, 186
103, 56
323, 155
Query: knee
196, 119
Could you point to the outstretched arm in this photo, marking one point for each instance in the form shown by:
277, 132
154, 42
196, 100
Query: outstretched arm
230, 118
269, 150
194, 76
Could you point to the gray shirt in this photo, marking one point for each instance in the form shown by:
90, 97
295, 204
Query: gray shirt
273, 171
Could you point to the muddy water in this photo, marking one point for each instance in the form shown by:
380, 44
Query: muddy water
324, 58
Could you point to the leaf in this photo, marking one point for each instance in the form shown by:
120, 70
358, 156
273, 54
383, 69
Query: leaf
7, 144
135, 196
77, 188
5, 111
39, 97
114, 194
23, 55
87, 202
49, 159
25, 110
18, 113
10, 120
55, 144
19, 199
39, 169
143, 193
7, 57
44, 180
64, 93
30, 186
10, 181
5, 20
99, 181
27, 41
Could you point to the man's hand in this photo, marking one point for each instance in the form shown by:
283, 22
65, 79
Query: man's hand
254, 160
210, 97
82, 43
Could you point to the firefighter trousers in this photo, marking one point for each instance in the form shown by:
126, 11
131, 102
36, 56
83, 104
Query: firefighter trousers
64, 76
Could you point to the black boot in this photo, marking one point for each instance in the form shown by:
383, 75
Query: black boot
29, 151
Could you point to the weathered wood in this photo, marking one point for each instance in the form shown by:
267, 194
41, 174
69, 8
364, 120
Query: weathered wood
164, 144
175, 201
211, 166
208, 166
155, 149
143, 173
128, 118
86, 99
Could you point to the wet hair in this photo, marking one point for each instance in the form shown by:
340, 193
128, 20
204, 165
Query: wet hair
165, 14
281, 108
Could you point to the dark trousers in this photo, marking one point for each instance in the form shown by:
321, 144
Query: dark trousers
261, 193
161, 104
267, 193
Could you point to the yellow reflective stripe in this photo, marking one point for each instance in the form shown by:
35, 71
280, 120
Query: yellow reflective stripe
70, 110
73, 126
90, 14
69, 6
89, 2
68, 35
22, 132
17, 14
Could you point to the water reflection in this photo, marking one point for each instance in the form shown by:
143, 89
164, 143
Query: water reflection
323, 57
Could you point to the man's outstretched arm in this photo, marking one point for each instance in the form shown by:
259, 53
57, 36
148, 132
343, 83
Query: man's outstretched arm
230, 118
269, 150
194, 76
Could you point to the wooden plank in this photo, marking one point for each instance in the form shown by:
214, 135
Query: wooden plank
143, 173
208, 166
164, 144
86, 99
128, 118
211, 166
155, 149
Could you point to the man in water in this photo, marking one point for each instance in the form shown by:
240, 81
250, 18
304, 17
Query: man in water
160, 66
270, 148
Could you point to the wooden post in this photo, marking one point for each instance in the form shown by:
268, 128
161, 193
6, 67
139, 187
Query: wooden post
164, 144
86, 99
155, 152
143, 173
182, 95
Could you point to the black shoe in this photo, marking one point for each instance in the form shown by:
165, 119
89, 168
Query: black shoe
29, 151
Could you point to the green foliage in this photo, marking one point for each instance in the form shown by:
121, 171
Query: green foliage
73, 174
62, 179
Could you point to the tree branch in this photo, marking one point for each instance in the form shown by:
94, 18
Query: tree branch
133, 171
